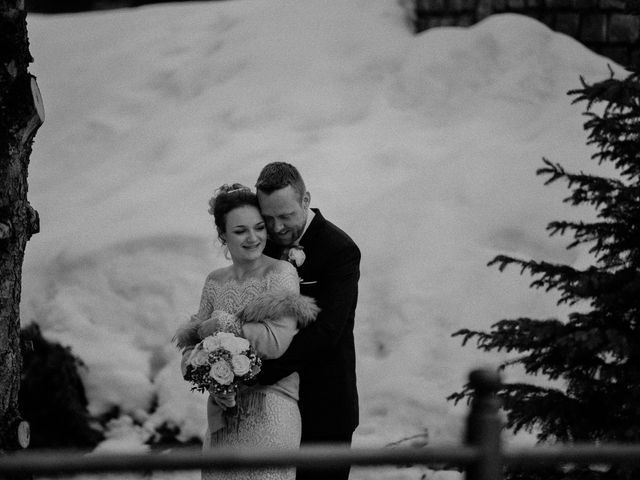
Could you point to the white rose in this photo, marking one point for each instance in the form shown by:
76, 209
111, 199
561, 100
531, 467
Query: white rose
234, 344
199, 357
221, 372
211, 343
222, 336
297, 256
240, 364
228, 342
242, 344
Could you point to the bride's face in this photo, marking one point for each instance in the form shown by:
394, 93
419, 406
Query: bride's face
245, 233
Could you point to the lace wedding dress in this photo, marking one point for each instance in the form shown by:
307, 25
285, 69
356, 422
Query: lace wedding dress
274, 420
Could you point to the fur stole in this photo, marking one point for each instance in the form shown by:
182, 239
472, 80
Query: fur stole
280, 304
267, 306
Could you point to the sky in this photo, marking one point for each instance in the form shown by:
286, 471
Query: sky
424, 148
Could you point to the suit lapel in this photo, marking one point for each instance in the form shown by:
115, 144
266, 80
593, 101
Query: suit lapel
311, 242
309, 238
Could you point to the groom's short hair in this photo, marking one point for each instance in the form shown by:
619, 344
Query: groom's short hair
277, 175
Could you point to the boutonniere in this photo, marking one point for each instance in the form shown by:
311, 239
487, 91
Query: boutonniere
296, 255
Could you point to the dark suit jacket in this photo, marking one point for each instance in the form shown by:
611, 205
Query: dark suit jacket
323, 353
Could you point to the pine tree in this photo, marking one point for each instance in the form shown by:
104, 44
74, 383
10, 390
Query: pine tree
593, 355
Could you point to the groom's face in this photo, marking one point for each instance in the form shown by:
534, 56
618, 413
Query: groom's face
284, 214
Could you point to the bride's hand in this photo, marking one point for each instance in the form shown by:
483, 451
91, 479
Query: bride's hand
223, 400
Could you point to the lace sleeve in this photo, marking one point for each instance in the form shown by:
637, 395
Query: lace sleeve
285, 278
206, 300
214, 320
204, 311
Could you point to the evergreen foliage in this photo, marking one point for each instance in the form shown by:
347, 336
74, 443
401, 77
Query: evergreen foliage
594, 355
52, 396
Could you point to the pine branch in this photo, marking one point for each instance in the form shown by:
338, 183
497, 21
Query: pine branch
524, 402
618, 95
547, 275
554, 170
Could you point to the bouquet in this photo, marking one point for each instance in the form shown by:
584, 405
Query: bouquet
221, 362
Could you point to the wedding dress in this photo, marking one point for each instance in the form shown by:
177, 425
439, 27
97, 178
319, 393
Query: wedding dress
272, 417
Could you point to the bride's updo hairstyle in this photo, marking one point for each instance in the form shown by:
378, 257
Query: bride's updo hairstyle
227, 198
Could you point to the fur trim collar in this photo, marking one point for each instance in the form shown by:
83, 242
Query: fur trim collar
262, 308
187, 333
278, 304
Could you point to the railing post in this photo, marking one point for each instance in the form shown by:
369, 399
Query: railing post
484, 425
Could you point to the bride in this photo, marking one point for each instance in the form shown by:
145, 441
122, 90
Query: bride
257, 297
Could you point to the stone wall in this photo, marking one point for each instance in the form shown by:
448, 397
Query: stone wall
608, 27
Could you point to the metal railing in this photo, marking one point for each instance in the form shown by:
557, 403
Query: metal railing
481, 456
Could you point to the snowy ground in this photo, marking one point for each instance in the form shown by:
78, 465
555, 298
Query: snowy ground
422, 147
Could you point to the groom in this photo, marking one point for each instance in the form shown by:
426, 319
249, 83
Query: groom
323, 353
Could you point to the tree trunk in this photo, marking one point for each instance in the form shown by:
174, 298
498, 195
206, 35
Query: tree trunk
21, 114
